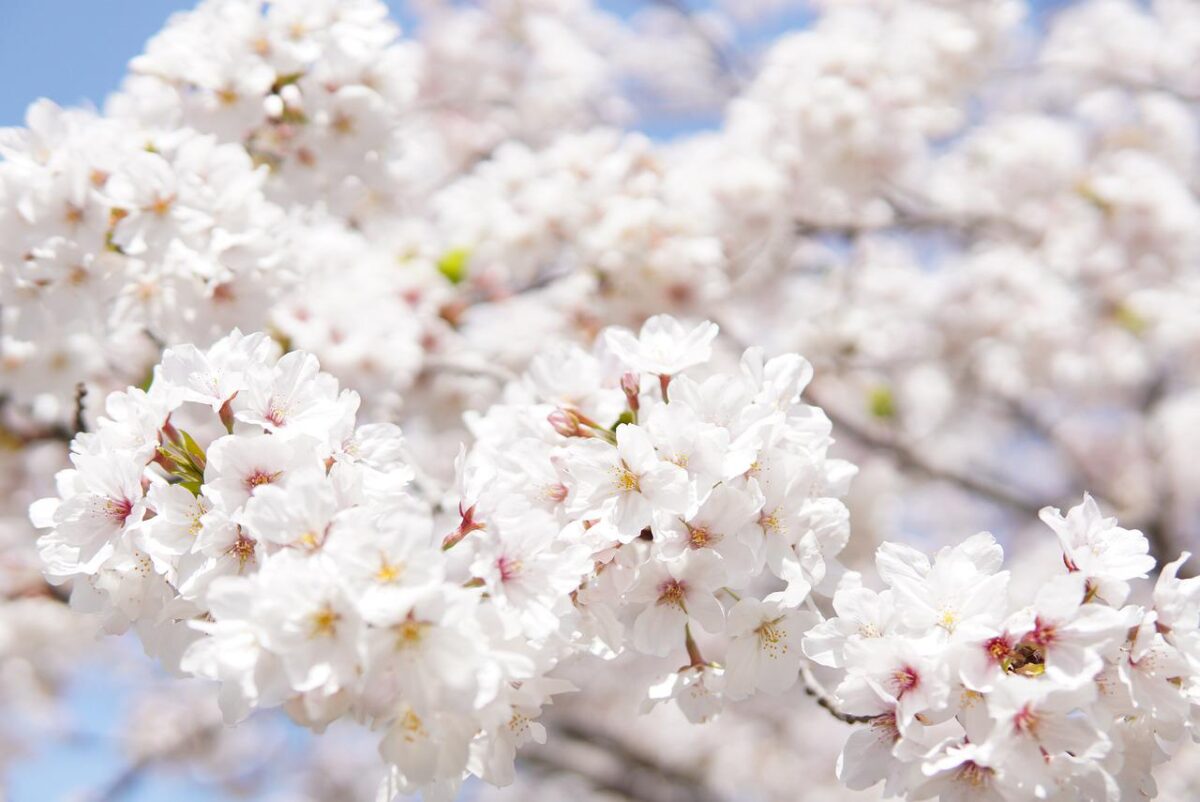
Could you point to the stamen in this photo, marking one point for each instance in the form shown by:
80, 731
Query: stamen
672, 592
324, 622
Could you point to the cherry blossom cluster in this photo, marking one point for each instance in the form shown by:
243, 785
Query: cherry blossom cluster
350, 115
235, 516
629, 499
114, 237
977, 683
705, 500
600, 206
314, 90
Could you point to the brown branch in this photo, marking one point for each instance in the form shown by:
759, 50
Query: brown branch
727, 59
81, 392
124, 782
813, 688
916, 215
908, 457
611, 764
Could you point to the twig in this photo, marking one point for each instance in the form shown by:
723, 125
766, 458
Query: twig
813, 688
632, 773
81, 392
726, 58
914, 460
124, 782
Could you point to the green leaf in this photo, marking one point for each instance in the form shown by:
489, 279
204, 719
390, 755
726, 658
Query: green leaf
453, 264
626, 417
284, 80
110, 245
198, 458
284, 341
187, 460
294, 116
1129, 319
882, 403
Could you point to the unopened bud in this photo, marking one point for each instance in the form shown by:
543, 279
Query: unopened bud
466, 527
565, 422
226, 413
631, 384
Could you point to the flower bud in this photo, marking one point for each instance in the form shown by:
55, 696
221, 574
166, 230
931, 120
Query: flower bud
226, 413
630, 385
565, 422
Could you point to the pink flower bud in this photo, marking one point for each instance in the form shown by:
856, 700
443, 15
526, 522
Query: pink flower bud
630, 385
226, 413
565, 423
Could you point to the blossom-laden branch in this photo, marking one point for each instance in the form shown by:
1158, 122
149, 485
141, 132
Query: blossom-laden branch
268, 494
944, 654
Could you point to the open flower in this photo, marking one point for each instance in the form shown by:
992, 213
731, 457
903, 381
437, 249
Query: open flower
663, 346
625, 484
765, 651
676, 593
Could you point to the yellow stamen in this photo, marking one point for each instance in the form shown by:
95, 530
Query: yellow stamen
324, 622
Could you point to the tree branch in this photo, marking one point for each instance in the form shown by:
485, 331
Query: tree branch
613, 765
813, 688
912, 459
725, 57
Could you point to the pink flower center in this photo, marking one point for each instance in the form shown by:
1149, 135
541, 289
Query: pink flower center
998, 648
700, 537
1043, 633
672, 592
905, 679
508, 568
1025, 721
276, 412
118, 510
975, 775
259, 478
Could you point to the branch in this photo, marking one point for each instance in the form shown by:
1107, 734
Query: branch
910, 458
612, 765
202, 738
725, 57
813, 688
62, 432
914, 214
124, 782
